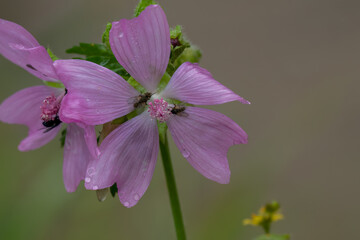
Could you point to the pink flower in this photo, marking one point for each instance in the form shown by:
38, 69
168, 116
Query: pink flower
37, 107
128, 155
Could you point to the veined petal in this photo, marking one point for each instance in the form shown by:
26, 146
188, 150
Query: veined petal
194, 84
15, 34
142, 45
76, 157
20, 47
90, 139
204, 138
128, 157
23, 107
96, 95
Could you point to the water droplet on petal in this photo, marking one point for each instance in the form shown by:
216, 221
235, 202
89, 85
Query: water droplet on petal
126, 204
185, 153
88, 100
87, 180
95, 187
91, 171
136, 197
121, 35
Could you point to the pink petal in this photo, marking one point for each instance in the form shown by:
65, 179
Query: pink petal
128, 157
142, 45
96, 95
76, 157
204, 138
193, 84
90, 139
23, 107
20, 47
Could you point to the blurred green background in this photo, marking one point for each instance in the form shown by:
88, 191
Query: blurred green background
296, 61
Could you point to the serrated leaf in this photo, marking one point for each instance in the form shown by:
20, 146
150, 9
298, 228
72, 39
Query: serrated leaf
142, 5
99, 54
105, 36
62, 138
113, 190
90, 49
273, 237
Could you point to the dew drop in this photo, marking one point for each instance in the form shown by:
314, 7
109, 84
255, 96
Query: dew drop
88, 100
185, 153
87, 180
121, 35
136, 197
126, 204
95, 187
91, 171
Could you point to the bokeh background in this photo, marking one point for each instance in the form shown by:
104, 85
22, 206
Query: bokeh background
296, 61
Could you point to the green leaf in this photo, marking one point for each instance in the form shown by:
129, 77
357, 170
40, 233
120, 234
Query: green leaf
90, 49
142, 5
178, 43
52, 55
164, 82
105, 36
62, 138
54, 84
191, 54
99, 54
273, 237
113, 190
170, 69
119, 120
177, 51
176, 32
136, 85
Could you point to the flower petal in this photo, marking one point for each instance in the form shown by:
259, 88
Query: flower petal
23, 107
91, 140
194, 84
20, 47
76, 157
96, 95
128, 157
142, 45
204, 138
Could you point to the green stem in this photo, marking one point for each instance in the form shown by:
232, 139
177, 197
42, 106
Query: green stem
171, 185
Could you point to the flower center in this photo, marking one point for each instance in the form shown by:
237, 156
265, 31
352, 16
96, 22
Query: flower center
50, 108
159, 109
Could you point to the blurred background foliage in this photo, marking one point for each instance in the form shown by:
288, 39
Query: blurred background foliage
296, 61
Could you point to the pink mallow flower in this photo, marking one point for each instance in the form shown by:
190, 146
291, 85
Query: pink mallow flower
37, 107
128, 154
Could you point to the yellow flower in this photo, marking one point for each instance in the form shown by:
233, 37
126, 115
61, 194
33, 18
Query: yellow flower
266, 215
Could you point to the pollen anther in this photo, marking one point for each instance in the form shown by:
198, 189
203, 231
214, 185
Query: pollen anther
159, 109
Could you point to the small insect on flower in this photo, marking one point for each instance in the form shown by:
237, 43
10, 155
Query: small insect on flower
203, 136
37, 107
142, 99
51, 124
179, 110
